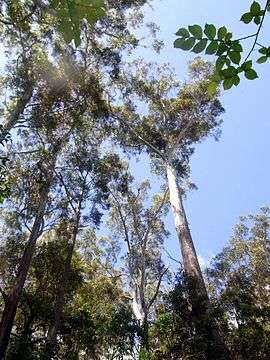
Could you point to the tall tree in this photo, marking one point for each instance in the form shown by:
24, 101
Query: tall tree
176, 118
142, 229
238, 281
85, 178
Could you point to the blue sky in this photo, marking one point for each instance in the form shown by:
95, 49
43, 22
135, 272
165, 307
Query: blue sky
233, 174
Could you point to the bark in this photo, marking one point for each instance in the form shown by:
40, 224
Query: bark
190, 259
19, 109
15, 293
197, 290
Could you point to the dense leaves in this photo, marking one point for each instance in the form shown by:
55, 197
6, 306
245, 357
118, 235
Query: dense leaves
70, 15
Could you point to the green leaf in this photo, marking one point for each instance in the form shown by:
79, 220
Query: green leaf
255, 8
222, 33
236, 80
236, 46
247, 18
196, 31
222, 48
262, 59
200, 46
228, 36
210, 31
178, 43
54, 3
251, 74
228, 83
221, 61
65, 28
184, 44
229, 72
247, 65
257, 20
235, 56
212, 88
71, 13
212, 48
263, 50
182, 32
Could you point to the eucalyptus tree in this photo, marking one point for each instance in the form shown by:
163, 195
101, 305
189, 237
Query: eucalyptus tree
52, 121
176, 117
141, 227
32, 43
85, 176
238, 281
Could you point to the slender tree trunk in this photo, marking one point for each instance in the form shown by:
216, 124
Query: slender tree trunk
197, 290
60, 296
12, 299
145, 334
14, 116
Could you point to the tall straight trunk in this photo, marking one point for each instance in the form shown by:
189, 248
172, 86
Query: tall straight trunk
197, 290
13, 298
60, 296
190, 259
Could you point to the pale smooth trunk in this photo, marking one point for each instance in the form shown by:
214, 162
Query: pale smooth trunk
197, 289
190, 259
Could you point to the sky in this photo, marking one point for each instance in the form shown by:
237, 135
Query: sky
233, 174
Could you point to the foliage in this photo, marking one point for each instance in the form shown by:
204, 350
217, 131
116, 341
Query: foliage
4, 184
96, 319
71, 13
239, 283
220, 42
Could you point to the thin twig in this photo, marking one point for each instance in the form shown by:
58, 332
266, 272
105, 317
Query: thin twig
258, 32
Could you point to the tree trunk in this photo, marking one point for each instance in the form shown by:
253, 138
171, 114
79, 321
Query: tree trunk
197, 290
190, 259
60, 296
14, 116
14, 295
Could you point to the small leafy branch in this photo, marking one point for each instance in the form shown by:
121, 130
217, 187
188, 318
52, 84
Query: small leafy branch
230, 62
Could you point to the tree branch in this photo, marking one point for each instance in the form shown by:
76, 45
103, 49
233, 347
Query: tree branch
144, 141
157, 289
118, 206
258, 32
4, 295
